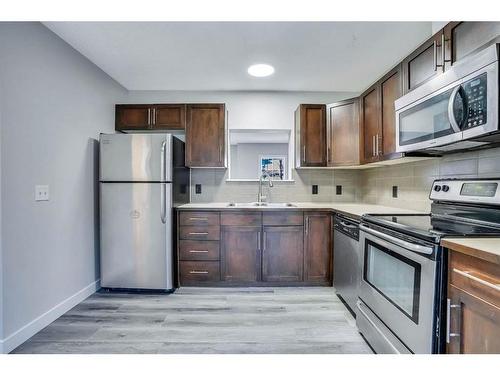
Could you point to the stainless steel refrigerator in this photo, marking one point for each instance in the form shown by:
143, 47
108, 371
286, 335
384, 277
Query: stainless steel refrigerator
142, 178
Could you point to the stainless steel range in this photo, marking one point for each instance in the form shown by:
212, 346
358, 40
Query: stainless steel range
402, 298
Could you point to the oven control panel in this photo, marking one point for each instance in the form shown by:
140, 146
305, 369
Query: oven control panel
475, 93
486, 191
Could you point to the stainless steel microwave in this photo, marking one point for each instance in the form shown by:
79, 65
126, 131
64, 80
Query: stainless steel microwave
454, 111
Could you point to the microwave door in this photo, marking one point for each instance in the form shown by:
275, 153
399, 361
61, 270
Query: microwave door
430, 122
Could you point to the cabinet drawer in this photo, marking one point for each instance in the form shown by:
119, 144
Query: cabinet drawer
198, 250
475, 276
192, 272
199, 218
241, 219
199, 232
283, 218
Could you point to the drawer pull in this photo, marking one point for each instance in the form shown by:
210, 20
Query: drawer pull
199, 218
199, 272
477, 279
198, 251
199, 233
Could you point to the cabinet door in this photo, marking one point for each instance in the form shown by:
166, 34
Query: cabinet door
312, 122
318, 247
370, 116
205, 135
282, 253
424, 63
390, 90
343, 133
240, 254
132, 117
169, 116
476, 322
465, 38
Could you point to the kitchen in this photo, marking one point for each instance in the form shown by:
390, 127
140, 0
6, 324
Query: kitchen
240, 207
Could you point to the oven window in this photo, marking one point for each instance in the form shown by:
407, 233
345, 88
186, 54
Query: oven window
395, 277
426, 121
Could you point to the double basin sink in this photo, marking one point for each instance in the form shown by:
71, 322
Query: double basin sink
261, 205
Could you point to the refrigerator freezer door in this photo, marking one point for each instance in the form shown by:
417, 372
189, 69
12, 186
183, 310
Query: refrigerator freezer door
136, 235
135, 157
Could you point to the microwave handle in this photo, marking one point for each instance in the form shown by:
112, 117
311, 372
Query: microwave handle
451, 114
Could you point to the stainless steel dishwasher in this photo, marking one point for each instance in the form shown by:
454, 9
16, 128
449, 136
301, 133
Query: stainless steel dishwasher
346, 260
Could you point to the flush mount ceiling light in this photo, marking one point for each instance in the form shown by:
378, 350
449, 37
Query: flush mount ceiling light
260, 70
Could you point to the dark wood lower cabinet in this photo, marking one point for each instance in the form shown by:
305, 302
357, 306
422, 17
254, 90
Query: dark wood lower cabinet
240, 254
283, 253
252, 248
318, 247
476, 322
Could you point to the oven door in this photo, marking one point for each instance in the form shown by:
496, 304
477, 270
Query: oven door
398, 285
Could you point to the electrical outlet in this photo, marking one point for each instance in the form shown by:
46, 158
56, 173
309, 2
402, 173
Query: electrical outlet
394, 191
197, 188
315, 189
41, 192
338, 189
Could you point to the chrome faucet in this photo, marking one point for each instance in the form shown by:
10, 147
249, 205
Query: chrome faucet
261, 197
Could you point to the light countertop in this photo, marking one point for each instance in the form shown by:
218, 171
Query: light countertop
351, 209
486, 248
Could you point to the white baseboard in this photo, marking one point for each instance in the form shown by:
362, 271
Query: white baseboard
21, 335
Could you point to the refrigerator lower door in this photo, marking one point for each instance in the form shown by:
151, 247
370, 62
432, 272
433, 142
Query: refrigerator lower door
135, 157
136, 235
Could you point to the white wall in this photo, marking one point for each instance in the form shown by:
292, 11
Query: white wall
54, 105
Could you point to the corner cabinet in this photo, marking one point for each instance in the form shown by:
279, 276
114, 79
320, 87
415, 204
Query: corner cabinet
205, 135
310, 135
254, 248
342, 120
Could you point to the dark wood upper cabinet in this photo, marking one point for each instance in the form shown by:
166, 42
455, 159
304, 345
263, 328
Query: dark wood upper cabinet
310, 133
425, 63
465, 38
240, 254
343, 133
391, 88
370, 122
205, 135
132, 117
318, 247
282, 253
169, 116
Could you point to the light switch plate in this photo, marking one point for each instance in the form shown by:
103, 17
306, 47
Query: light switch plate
41, 192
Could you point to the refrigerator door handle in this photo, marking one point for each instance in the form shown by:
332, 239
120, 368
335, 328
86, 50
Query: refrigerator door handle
163, 163
163, 193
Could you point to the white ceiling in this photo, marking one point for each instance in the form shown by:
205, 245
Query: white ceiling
308, 56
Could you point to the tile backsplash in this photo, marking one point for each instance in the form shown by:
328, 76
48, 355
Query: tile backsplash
376, 185
414, 180
215, 188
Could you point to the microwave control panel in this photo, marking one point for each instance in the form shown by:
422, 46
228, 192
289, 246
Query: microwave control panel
475, 92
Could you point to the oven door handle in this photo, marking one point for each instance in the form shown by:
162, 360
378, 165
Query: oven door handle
407, 245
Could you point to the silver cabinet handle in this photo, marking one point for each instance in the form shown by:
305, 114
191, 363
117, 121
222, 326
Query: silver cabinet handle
199, 233
449, 334
154, 116
198, 251
373, 146
443, 57
406, 245
149, 116
264, 242
258, 241
304, 153
198, 272
477, 279
434, 49
199, 218
307, 225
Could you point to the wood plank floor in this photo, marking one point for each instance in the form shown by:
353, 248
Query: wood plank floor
205, 320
